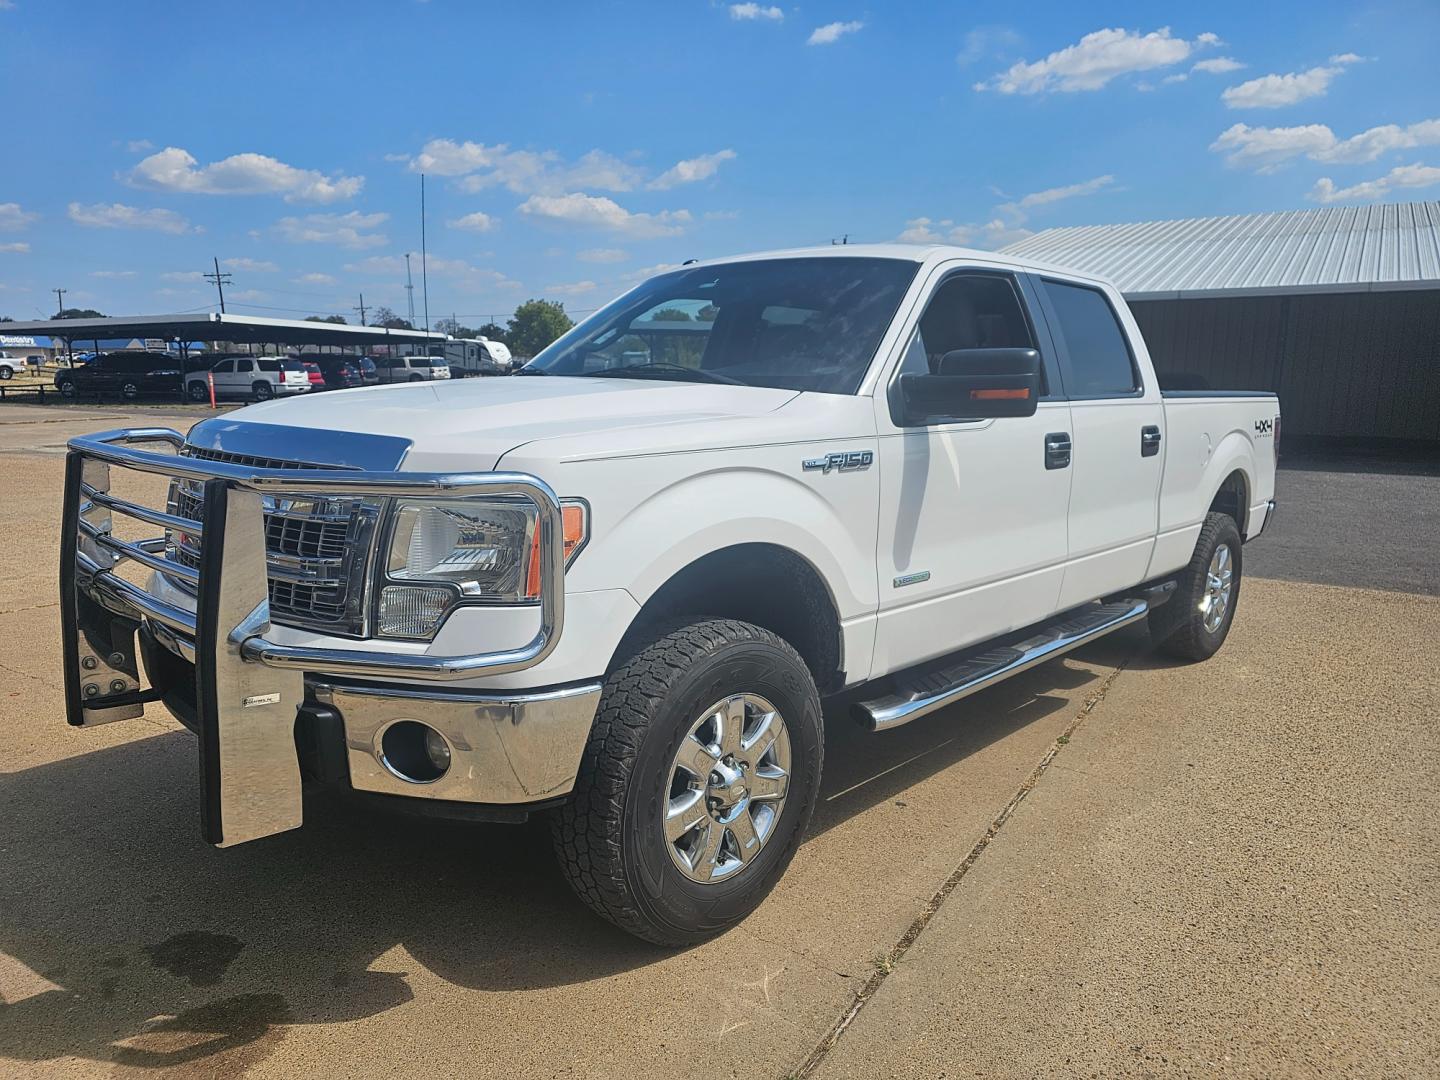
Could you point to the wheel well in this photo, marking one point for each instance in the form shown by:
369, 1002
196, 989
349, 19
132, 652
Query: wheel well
764, 584
1233, 498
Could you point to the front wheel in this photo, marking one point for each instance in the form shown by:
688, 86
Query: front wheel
129, 390
7, 373
1197, 619
68, 389
697, 783
199, 391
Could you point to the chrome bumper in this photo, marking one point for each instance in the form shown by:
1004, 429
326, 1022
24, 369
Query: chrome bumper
247, 688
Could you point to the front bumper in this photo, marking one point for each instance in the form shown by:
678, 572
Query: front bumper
246, 690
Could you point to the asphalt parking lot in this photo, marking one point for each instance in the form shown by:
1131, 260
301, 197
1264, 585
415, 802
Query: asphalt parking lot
1109, 866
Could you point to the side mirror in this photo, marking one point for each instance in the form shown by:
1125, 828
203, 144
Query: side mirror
974, 384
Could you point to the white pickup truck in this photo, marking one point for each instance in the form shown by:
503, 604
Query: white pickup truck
617, 587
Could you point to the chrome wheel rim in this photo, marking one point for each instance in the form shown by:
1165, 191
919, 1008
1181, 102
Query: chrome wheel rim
1219, 581
727, 790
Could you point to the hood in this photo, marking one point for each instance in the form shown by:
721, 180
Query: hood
470, 424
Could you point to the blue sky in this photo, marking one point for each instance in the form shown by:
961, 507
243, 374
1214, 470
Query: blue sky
572, 148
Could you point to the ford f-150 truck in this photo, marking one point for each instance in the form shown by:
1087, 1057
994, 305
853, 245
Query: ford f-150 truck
617, 587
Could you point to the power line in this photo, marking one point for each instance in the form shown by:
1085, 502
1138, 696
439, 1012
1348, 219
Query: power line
220, 280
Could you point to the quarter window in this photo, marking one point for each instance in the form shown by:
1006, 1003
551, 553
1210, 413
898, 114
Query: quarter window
1100, 364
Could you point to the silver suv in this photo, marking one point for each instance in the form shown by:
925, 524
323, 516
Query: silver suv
393, 369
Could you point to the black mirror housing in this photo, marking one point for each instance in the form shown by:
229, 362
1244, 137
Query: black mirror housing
974, 384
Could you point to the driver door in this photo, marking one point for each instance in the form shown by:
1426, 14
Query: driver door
972, 513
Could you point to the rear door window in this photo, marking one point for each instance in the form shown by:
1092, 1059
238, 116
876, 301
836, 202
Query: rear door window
1099, 362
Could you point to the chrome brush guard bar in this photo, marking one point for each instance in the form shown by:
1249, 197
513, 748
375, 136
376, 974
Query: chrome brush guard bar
247, 687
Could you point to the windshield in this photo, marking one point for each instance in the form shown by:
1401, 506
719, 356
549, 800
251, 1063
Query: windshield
793, 324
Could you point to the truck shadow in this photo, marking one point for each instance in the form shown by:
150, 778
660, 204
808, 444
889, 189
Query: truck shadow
135, 943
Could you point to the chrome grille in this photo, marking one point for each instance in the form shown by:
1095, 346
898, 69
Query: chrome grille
317, 548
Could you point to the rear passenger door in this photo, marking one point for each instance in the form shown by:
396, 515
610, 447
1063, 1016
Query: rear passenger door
1118, 423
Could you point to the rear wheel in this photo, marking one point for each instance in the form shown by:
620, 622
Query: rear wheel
7, 372
68, 389
1196, 621
697, 783
262, 391
129, 390
416, 378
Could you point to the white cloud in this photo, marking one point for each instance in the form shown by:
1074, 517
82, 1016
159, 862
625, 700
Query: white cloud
1266, 149
120, 216
523, 171
1096, 59
458, 273
1057, 194
602, 255
314, 278
476, 222
139, 146
183, 275
751, 12
984, 40
257, 266
691, 169
575, 288
112, 273
241, 296
1217, 65
832, 32
174, 169
351, 230
596, 211
649, 271
13, 219
1275, 91
1402, 176
1007, 226
19, 247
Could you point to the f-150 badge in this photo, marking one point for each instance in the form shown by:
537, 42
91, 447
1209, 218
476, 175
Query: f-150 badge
840, 461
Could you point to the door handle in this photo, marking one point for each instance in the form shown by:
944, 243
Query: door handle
1149, 440
1057, 450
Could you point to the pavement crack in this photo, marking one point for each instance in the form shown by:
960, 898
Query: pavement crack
886, 964
30, 607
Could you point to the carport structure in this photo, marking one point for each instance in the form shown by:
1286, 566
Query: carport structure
1336, 309
187, 329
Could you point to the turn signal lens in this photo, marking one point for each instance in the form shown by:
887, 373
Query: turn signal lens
1020, 393
574, 527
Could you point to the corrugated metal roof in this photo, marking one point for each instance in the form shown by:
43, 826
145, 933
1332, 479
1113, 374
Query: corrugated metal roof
1332, 249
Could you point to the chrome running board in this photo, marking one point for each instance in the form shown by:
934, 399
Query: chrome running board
917, 695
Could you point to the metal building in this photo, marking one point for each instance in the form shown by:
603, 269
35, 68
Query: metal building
1336, 309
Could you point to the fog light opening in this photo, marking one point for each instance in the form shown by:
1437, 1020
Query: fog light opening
415, 752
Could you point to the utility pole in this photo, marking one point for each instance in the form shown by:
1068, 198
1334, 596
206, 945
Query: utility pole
424, 275
60, 301
220, 280
409, 290
361, 309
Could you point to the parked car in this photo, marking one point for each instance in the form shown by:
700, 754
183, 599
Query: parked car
314, 374
258, 378
130, 374
395, 369
339, 372
617, 593
9, 365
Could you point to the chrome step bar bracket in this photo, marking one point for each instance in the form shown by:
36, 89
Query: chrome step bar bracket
971, 674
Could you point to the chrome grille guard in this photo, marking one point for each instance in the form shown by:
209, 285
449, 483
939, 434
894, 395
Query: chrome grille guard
247, 687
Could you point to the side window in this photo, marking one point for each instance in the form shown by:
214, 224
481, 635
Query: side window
1099, 354
244, 367
969, 311
224, 367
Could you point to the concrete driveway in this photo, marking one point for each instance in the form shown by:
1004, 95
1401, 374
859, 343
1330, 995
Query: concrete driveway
1109, 866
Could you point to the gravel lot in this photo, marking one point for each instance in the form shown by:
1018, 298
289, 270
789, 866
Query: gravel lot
1109, 866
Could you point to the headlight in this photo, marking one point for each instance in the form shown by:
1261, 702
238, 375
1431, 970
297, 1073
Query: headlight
447, 552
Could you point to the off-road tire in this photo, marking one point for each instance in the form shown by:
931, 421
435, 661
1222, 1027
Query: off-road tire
1178, 627
608, 835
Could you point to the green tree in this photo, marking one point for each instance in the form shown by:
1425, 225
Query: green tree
339, 320
535, 324
384, 317
493, 332
6, 318
78, 313
671, 314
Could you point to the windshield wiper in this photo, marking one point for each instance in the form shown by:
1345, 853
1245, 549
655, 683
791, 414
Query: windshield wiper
665, 371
